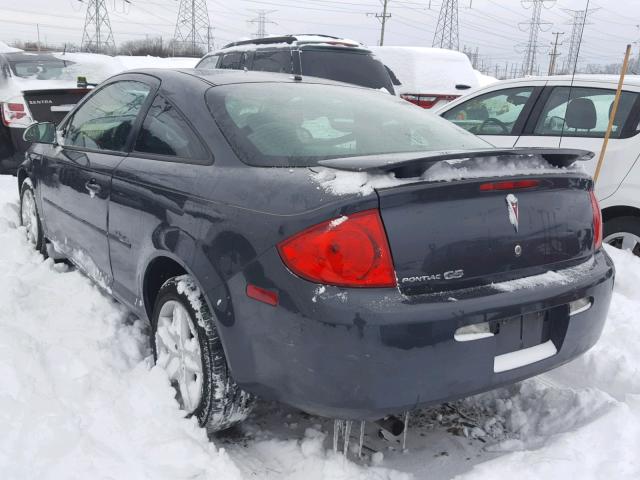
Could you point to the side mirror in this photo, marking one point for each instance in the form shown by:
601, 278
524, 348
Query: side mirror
44, 132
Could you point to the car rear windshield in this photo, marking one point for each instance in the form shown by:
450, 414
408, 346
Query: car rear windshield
357, 68
299, 124
39, 68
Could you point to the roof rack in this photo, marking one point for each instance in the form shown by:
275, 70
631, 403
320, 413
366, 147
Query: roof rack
280, 39
263, 41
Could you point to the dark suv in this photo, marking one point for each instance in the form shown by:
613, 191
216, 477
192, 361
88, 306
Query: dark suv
314, 55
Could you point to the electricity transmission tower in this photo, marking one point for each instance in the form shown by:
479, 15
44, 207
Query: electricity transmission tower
553, 55
383, 19
446, 35
535, 26
262, 21
97, 35
578, 21
192, 26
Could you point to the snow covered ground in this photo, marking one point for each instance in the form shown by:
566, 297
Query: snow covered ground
79, 399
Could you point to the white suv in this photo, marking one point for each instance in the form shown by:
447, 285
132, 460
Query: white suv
554, 112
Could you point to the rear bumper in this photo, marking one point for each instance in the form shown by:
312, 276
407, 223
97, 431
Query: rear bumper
366, 353
12, 148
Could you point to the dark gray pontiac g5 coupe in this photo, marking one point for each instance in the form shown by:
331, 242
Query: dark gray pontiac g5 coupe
284, 239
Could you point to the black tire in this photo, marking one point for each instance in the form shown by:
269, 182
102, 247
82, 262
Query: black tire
223, 403
40, 243
619, 225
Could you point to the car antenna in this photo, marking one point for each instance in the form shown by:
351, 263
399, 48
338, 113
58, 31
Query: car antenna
573, 74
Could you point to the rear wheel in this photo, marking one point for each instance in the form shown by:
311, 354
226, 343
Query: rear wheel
30, 218
187, 346
623, 233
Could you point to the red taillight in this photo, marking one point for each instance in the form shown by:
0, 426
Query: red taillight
15, 107
597, 221
349, 251
426, 101
510, 185
15, 114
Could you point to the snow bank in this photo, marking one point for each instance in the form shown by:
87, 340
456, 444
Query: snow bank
4, 48
80, 399
428, 70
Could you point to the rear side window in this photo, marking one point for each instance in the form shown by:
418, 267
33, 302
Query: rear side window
494, 113
165, 132
583, 112
278, 61
233, 61
105, 120
209, 62
349, 67
298, 124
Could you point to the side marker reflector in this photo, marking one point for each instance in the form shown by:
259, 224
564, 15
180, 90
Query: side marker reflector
262, 295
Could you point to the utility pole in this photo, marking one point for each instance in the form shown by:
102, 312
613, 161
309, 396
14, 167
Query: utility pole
554, 53
534, 26
38, 28
577, 22
383, 19
97, 35
447, 31
192, 25
262, 21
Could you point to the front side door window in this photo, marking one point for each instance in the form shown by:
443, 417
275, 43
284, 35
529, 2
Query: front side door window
494, 113
105, 120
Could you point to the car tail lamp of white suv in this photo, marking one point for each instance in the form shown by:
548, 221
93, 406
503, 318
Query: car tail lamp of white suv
15, 113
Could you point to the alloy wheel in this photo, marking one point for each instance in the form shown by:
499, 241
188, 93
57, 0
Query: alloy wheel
29, 216
624, 241
178, 352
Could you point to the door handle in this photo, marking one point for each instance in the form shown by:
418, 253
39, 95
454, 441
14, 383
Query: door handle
93, 187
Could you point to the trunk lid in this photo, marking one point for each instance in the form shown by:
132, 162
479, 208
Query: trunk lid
52, 105
447, 235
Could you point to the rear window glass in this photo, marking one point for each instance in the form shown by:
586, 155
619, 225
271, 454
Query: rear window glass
39, 68
349, 67
298, 124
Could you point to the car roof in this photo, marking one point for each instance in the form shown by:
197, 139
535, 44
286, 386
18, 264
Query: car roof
579, 78
293, 40
217, 77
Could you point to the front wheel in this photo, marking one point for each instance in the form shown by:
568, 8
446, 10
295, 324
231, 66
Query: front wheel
30, 218
187, 346
623, 233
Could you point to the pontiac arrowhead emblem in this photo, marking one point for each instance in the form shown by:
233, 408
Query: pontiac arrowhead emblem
512, 206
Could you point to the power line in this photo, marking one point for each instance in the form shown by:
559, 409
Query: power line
553, 55
97, 35
578, 21
447, 35
192, 25
534, 26
262, 21
383, 19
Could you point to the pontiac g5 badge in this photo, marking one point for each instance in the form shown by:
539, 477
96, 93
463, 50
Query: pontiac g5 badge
512, 206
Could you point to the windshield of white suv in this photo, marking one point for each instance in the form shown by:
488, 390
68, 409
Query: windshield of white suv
299, 124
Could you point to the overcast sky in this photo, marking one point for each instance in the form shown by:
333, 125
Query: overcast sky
491, 25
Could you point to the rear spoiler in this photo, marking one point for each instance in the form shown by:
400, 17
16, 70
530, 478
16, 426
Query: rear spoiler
558, 157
